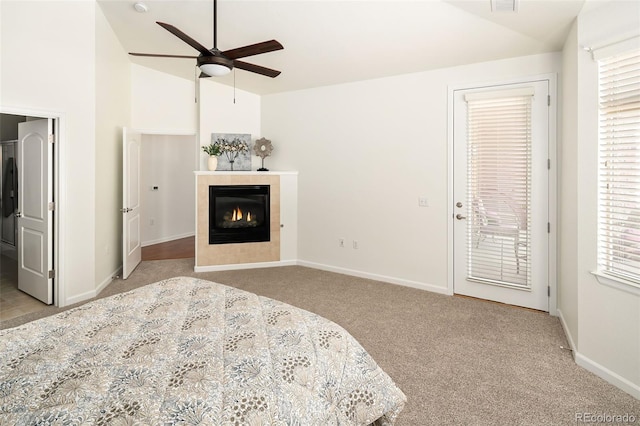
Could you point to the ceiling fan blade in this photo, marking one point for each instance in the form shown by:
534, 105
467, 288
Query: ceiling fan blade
182, 36
155, 55
256, 68
253, 49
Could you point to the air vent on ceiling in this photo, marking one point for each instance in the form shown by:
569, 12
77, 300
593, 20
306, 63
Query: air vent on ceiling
504, 5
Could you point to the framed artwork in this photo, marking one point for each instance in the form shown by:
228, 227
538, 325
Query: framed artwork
236, 154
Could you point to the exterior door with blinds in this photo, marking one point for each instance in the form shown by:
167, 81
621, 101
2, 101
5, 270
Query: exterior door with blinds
501, 191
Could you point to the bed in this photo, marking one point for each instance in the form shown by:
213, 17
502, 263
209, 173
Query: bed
193, 352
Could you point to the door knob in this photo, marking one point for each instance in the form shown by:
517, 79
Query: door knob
460, 217
458, 204
126, 210
18, 214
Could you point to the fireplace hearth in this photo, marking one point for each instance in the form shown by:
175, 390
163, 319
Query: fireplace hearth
239, 214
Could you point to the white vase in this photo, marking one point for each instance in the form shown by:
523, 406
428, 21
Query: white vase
212, 163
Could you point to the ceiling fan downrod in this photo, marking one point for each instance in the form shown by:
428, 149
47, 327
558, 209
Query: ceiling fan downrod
215, 24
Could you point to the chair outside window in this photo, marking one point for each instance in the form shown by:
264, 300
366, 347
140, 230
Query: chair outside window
500, 224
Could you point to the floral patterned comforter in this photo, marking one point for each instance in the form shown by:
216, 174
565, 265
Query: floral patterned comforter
189, 351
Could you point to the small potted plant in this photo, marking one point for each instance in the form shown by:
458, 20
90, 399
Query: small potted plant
213, 150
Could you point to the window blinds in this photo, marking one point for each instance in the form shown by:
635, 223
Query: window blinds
499, 187
619, 166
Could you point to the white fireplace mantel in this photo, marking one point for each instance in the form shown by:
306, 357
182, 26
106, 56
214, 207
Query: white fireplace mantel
281, 250
244, 173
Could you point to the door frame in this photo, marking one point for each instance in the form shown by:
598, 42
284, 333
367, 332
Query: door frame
553, 176
160, 132
58, 174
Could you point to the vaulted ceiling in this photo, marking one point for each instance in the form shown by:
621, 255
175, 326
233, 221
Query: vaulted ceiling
331, 41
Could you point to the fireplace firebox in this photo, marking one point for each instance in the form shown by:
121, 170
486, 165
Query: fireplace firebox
239, 214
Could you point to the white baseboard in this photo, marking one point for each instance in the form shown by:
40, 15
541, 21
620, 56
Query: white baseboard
166, 239
376, 277
345, 271
237, 266
608, 375
109, 279
79, 298
597, 369
91, 294
567, 333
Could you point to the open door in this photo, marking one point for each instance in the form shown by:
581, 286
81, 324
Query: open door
34, 217
131, 244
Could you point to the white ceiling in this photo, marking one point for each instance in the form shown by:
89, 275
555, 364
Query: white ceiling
331, 41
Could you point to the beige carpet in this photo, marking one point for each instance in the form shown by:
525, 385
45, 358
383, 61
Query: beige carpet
460, 361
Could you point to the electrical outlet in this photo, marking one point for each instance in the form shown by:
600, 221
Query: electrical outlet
355, 244
423, 202
341, 242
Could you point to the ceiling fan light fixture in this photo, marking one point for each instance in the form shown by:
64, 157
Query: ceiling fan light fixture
215, 66
215, 70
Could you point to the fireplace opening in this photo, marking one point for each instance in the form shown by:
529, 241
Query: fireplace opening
239, 214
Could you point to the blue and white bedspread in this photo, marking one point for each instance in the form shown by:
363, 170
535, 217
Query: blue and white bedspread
191, 352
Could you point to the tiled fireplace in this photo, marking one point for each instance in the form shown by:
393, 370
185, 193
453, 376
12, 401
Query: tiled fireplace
238, 219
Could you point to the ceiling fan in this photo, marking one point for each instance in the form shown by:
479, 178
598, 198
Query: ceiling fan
213, 62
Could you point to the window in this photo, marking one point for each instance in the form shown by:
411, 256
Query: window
619, 167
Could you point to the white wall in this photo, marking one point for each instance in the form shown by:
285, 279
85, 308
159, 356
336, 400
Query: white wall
168, 213
219, 114
365, 152
113, 91
62, 36
608, 318
162, 102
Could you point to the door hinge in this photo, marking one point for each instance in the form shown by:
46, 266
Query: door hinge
52, 206
548, 100
52, 138
548, 227
52, 274
548, 291
548, 163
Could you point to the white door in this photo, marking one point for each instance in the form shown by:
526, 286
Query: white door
34, 218
131, 246
501, 200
